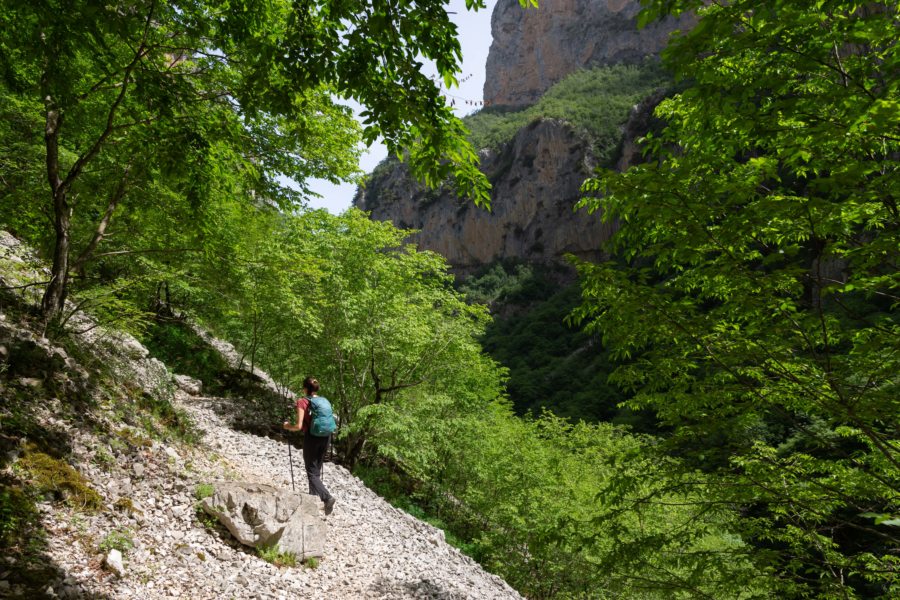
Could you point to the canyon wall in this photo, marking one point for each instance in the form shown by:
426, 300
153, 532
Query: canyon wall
537, 176
536, 47
535, 179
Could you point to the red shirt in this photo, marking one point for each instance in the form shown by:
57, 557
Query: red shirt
303, 404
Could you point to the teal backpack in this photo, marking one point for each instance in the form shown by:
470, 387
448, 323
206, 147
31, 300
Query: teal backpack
321, 417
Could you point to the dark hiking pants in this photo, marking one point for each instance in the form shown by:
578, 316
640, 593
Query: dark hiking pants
314, 448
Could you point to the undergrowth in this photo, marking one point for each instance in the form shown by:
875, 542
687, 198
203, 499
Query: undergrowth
273, 555
164, 421
183, 351
55, 479
119, 539
596, 102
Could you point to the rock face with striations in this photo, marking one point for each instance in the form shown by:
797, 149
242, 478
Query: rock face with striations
536, 180
261, 515
537, 176
535, 48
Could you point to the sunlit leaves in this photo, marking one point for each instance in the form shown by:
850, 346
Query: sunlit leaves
200, 92
762, 244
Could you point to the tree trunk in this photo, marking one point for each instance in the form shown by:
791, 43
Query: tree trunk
55, 296
354, 451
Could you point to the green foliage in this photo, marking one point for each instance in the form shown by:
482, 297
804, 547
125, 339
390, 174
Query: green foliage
120, 540
209, 522
21, 155
344, 299
273, 555
107, 108
752, 302
595, 101
19, 517
204, 490
501, 282
162, 420
558, 509
185, 352
550, 363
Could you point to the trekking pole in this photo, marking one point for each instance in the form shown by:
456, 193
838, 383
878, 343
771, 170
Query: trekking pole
287, 436
291, 461
325, 457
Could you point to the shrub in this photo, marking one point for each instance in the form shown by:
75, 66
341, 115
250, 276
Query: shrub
120, 540
174, 422
274, 555
204, 490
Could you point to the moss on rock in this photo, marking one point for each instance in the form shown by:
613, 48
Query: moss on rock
54, 476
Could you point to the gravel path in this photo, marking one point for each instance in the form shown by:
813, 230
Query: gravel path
373, 550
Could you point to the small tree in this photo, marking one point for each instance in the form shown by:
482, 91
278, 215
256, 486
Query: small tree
389, 321
116, 82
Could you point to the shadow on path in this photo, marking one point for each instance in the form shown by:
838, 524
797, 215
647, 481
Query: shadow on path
418, 589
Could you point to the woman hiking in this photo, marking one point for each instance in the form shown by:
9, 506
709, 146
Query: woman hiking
314, 446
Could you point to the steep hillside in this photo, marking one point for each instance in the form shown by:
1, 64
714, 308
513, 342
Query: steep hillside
102, 451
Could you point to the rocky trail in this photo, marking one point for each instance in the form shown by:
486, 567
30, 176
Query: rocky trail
372, 550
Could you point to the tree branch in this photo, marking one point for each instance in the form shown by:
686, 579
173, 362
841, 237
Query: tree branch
22, 287
99, 233
146, 251
94, 150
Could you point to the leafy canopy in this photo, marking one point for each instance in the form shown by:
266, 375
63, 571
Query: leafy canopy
275, 64
127, 100
753, 296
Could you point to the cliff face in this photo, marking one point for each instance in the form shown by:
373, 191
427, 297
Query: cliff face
535, 48
536, 180
537, 176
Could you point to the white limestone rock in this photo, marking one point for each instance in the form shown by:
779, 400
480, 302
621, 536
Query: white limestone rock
189, 385
261, 515
114, 563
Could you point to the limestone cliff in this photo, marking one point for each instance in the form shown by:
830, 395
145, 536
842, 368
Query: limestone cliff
536, 180
534, 48
536, 177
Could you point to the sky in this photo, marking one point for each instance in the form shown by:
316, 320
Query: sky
475, 40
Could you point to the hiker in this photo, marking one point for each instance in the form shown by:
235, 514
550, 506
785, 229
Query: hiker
314, 446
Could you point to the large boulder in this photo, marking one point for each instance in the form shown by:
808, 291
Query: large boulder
261, 515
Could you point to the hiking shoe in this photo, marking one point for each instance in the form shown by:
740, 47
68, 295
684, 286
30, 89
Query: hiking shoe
329, 505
